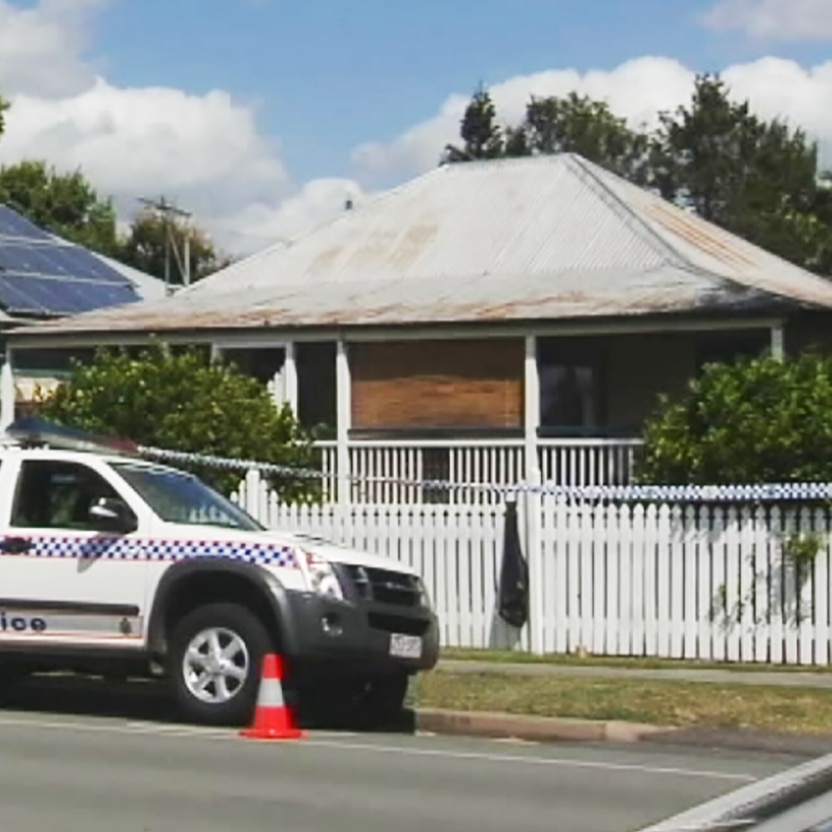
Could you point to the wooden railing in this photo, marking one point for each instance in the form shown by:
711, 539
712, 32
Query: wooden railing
402, 463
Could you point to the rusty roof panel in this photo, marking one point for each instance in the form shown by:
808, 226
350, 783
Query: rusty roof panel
543, 237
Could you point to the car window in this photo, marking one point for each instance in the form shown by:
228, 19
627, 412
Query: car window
58, 495
177, 497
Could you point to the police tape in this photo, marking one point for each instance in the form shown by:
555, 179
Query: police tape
759, 493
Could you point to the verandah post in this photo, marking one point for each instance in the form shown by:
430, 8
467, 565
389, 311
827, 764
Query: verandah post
343, 388
531, 502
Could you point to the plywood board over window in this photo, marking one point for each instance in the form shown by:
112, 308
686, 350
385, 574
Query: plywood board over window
424, 385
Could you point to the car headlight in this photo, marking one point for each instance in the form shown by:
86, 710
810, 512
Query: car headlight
322, 577
424, 597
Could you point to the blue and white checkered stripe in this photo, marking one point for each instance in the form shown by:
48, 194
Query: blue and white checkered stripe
773, 493
120, 548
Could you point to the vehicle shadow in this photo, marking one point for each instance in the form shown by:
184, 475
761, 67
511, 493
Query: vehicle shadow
150, 701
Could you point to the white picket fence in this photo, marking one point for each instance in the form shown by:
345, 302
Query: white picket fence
718, 583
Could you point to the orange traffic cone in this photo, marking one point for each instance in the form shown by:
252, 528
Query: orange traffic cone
272, 718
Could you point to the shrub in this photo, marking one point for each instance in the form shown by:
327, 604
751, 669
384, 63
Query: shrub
755, 421
183, 402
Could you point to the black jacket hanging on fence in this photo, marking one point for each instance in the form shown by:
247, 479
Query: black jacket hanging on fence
513, 592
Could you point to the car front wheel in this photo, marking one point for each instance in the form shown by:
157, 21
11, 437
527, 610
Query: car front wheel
214, 664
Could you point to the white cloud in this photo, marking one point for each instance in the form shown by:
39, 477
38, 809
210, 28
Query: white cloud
637, 90
261, 223
204, 150
41, 47
798, 20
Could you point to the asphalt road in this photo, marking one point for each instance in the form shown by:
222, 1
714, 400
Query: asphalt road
69, 772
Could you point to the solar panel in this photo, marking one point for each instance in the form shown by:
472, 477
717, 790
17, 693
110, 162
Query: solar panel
35, 295
43, 275
13, 224
56, 260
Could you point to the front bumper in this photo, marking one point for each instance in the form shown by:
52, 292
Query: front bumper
356, 636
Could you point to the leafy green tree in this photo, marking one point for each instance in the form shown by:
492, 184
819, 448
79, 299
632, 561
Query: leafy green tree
145, 248
574, 124
578, 124
752, 421
754, 178
64, 203
180, 401
4, 106
482, 137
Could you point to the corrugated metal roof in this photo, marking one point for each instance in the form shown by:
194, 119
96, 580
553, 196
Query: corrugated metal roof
550, 237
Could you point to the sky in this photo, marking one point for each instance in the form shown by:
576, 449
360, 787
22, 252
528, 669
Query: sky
262, 117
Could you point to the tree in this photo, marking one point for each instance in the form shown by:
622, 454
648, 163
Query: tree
578, 124
4, 106
575, 124
144, 248
64, 203
183, 402
753, 421
754, 178
479, 131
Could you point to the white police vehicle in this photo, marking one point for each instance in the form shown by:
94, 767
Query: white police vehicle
113, 564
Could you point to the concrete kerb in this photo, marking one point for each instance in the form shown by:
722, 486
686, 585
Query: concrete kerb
552, 730
531, 728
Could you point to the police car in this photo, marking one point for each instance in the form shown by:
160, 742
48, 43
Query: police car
112, 564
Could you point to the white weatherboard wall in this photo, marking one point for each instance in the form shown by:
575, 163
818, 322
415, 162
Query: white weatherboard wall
718, 583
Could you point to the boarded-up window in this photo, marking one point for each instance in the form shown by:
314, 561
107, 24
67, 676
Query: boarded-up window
437, 384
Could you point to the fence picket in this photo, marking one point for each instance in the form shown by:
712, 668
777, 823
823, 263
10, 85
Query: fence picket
612, 580
704, 594
821, 576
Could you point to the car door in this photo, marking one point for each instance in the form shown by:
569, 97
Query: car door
67, 576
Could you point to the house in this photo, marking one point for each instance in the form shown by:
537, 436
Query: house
483, 322
44, 277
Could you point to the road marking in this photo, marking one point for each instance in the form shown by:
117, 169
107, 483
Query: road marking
197, 732
537, 761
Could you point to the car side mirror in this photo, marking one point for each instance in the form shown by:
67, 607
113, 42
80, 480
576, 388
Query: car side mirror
113, 514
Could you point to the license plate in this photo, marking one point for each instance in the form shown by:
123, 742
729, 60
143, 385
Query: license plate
405, 647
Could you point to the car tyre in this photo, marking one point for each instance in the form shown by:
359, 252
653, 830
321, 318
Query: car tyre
225, 645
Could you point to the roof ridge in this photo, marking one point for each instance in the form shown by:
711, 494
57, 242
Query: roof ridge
627, 213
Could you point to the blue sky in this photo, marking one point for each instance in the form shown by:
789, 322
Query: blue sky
261, 116
330, 74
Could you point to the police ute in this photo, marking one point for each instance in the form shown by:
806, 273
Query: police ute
113, 565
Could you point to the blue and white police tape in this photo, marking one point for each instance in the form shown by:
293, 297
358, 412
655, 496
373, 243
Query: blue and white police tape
768, 492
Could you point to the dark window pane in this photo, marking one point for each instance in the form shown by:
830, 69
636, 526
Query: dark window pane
572, 384
316, 384
726, 348
262, 363
58, 495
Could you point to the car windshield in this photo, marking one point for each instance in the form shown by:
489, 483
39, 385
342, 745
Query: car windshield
177, 497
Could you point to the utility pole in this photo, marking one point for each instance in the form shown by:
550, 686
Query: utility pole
183, 261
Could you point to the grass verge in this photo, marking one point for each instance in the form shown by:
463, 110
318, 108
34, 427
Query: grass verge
670, 703
510, 657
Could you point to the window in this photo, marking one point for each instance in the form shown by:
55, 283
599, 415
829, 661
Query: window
571, 385
181, 498
51, 362
59, 495
262, 364
316, 384
726, 347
